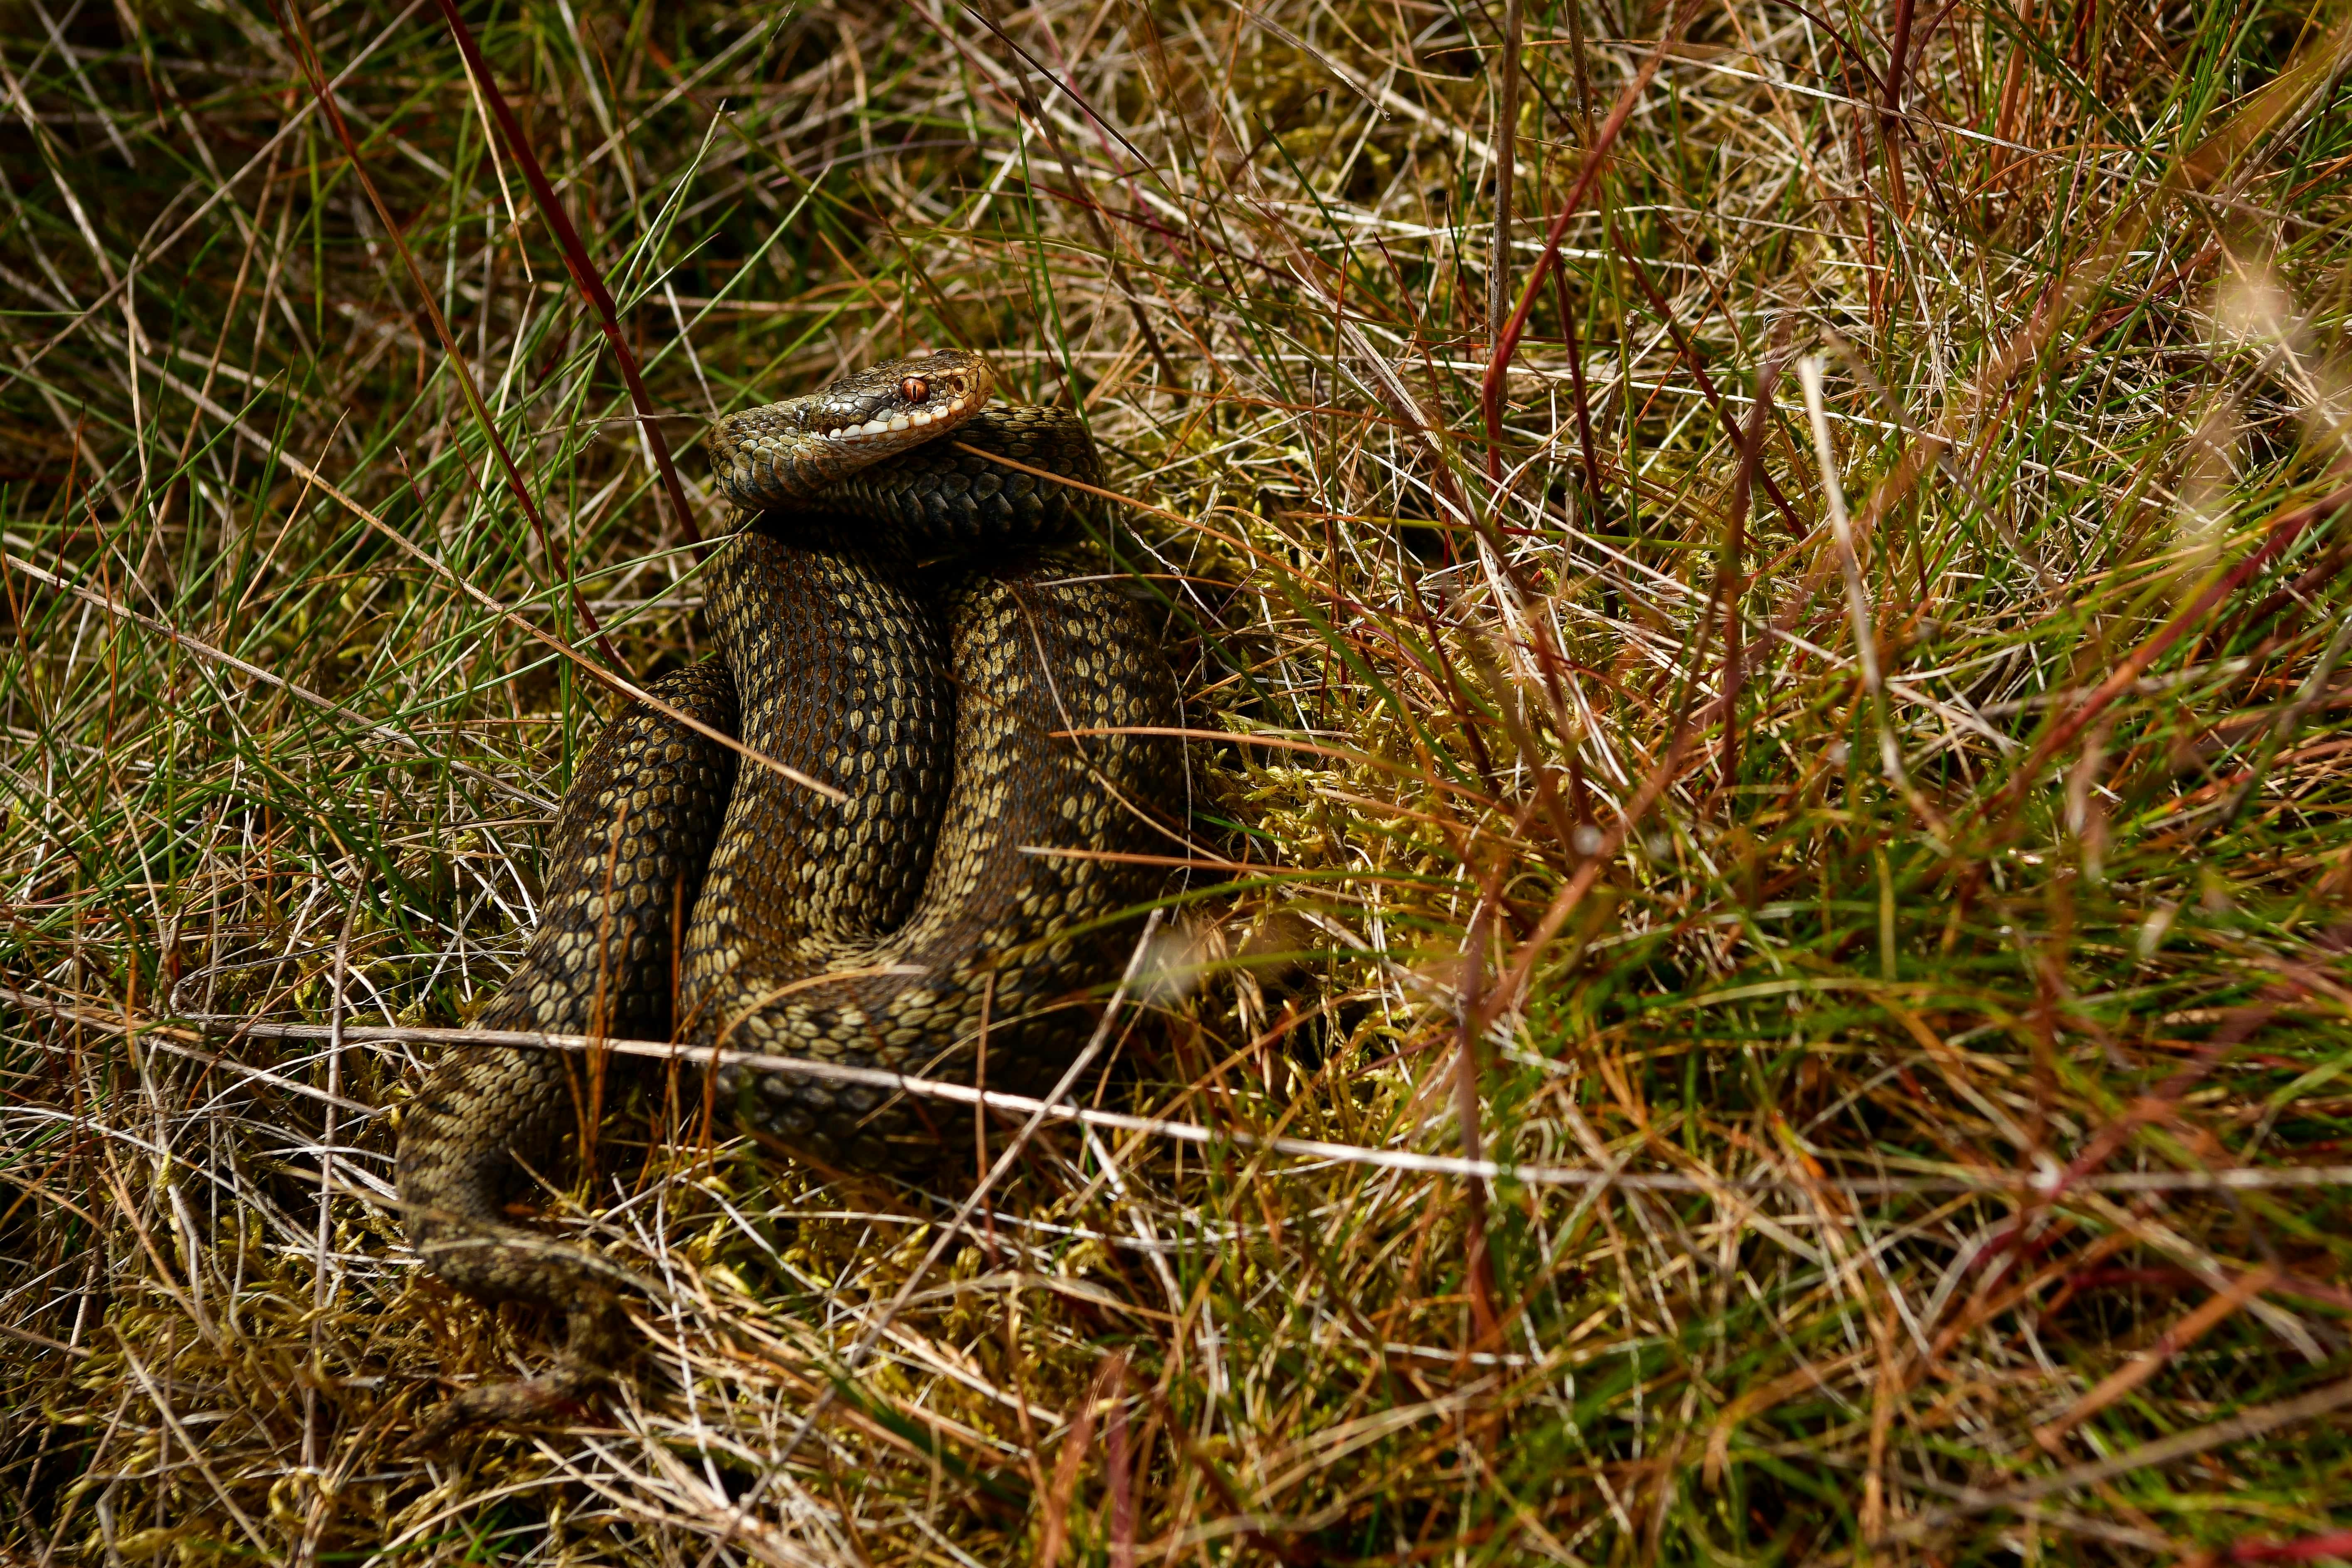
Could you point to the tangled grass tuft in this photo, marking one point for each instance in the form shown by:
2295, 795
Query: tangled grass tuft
1770, 840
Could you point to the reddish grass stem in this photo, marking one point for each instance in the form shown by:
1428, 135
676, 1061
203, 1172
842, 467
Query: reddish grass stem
299, 37
1596, 160
1730, 586
584, 274
1689, 352
2282, 533
1898, 52
1481, 1264
1507, 127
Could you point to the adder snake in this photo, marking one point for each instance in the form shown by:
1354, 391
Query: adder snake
964, 889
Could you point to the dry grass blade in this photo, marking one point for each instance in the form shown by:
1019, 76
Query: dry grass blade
1687, 1024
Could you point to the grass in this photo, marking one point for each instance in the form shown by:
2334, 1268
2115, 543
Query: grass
1904, 990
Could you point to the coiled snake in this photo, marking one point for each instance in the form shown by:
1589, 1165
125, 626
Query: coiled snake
957, 898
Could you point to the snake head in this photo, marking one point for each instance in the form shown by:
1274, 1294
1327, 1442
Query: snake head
923, 392
777, 455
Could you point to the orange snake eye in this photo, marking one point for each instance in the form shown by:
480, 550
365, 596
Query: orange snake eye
914, 389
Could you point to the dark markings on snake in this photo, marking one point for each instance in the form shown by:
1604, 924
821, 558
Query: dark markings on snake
881, 930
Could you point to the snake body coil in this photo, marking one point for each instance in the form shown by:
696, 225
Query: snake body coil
957, 900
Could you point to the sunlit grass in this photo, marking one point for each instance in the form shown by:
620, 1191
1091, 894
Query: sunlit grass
1920, 1098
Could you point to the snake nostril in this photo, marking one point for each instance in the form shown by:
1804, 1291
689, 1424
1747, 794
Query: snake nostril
914, 389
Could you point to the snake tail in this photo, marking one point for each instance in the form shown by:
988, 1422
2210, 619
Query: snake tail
626, 862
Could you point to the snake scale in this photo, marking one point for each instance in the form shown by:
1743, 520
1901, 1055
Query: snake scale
962, 895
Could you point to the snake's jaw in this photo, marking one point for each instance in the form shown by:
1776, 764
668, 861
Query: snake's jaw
775, 456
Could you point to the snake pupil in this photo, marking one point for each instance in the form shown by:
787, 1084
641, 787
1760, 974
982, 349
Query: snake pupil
914, 389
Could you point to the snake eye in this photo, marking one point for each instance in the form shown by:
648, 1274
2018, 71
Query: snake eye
914, 389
